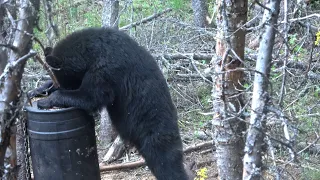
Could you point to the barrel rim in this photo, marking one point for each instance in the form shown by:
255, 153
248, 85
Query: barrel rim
34, 109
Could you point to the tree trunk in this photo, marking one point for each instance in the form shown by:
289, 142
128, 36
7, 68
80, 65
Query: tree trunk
110, 18
106, 133
10, 92
227, 100
252, 162
200, 12
110, 14
3, 50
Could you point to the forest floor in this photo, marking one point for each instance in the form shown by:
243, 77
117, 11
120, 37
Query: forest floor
143, 173
202, 158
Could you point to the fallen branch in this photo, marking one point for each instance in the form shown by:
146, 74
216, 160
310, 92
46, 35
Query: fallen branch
145, 20
175, 56
123, 166
142, 162
198, 146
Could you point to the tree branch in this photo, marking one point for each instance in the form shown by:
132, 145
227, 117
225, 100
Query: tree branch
145, 20
13, 65
302, 18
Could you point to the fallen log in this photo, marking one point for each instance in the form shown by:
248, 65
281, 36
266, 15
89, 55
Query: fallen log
139, 163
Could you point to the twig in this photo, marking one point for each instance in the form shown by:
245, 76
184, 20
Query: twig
47, 68
311, 144
303, 18
145, 20
197, 70
308, 115
194, 56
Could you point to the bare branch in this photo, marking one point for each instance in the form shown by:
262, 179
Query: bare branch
194, 56
303, 18
12, 65
145, 20
198, 146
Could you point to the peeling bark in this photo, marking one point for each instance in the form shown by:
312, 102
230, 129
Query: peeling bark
227, 100
252, 161
10, 80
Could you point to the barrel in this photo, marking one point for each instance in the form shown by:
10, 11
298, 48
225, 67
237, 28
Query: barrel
62, 144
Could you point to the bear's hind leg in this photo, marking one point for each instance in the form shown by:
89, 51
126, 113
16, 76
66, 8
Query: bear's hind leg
164, 158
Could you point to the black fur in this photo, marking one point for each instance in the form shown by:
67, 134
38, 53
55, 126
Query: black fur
99, 67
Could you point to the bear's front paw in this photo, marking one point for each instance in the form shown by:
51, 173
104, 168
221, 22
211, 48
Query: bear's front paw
33, 93
44, 104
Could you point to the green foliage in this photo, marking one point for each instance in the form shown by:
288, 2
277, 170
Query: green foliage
204, 94
177, 4
246, 86
292, 39
315, 4
311, 174
73, 12
300, 52
274, 75
92, 19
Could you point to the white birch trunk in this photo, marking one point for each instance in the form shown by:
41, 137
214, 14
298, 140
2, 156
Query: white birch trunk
252, 161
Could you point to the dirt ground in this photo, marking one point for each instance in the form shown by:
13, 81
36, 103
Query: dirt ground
202, 159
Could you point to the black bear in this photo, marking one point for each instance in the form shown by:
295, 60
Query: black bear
99, 67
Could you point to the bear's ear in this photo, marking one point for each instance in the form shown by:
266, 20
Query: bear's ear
47, 51
53, 61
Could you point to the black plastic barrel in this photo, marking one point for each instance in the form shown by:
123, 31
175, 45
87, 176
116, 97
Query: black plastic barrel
62, 144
